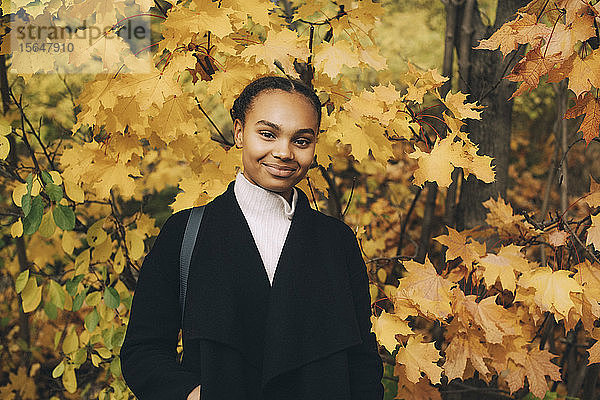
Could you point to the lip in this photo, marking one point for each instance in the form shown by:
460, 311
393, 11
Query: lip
281, 167
280, 171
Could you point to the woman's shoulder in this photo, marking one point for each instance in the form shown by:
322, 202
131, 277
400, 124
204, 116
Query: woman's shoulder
332, 225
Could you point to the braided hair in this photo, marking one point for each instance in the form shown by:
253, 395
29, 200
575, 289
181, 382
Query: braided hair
254, 88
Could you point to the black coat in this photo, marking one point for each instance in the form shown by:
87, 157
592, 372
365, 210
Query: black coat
314, 321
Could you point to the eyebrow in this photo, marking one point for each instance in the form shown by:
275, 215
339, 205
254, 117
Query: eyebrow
278, 128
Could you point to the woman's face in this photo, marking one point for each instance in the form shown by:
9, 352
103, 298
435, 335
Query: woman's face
278, 140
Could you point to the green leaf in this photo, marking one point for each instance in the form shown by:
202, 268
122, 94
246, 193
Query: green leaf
115, 367
79, 357
71, 284
21, 281
64, 217
47, 178
118, 337
57, 294
29, 181
26, 203
78, 300
50, 310
91, 320
111, 297
55, 192
32, 221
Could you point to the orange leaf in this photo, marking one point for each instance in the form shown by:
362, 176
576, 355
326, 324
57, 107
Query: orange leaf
590, 106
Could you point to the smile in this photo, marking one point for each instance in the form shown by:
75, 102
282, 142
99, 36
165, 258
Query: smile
281, 172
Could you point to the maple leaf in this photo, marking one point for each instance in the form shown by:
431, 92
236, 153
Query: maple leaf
530, 69
524, 29
594, 352
435, 166
471, 162
588, 275
427, 290
535, 365
258, 10
329, 58
420, 82
592, 198
495, 321
461, 348
500, 216
279, 46
585, 73
565, 36
459, 245
552, 289
590, 106
177, 117
593, 233
502, 266
386, 326
422, 390
418, 357
213, 19
457, 103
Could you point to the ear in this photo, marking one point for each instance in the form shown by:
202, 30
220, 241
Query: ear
238, 130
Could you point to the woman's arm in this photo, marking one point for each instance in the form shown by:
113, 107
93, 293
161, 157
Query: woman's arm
148, 356
366, 367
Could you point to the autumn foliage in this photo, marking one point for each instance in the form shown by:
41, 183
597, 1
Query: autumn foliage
485, 307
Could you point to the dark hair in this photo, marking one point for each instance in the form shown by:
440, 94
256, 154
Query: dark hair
254, 88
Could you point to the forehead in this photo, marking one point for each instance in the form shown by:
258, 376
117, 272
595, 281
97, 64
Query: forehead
283, 108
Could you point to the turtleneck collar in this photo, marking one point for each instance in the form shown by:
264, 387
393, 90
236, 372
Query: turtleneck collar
259, 200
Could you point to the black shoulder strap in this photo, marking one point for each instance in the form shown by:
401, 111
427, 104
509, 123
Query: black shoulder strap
189, 240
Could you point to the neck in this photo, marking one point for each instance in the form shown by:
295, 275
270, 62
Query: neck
287, 195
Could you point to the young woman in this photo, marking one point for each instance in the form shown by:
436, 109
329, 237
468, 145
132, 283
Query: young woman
277, 305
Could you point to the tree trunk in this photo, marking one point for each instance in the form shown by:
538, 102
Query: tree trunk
480, 73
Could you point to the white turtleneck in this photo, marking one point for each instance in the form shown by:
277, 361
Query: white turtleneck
269, 216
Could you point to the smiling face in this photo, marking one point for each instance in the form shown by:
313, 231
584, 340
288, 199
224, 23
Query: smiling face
278, 140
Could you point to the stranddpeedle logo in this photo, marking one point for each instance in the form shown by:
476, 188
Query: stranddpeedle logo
93, 33
49, 45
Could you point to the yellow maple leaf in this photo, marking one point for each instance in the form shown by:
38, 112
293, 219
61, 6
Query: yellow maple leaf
426, 289
592, 198
535, 365
594, 352
461, 348
435, 166
329, 58
258, 10
459, 245
184, 22
501, 217
419, 357
502, 266
282, 46
457, 103
552, 289
585, 73
422, 390
387, 326
593, 233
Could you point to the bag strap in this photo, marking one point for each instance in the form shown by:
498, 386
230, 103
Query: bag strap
189, 240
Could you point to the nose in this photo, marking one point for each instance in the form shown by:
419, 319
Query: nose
282, 150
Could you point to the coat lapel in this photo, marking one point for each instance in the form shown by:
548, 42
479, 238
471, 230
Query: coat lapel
305, 315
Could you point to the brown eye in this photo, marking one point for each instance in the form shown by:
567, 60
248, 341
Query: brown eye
263, 133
